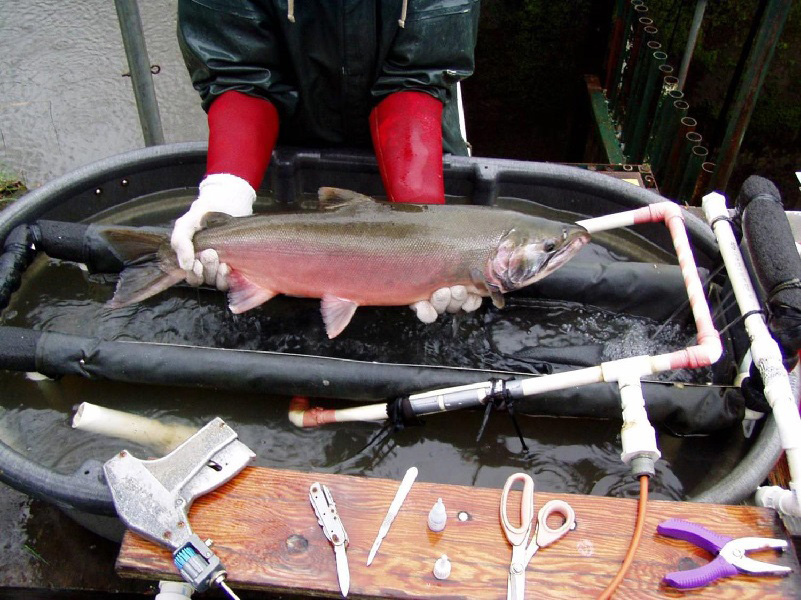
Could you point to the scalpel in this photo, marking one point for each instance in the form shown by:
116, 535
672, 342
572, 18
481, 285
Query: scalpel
400, 496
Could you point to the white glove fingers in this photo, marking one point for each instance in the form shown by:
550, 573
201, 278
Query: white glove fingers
472, 303
211, 262
425, 311
440, 299
221, 283
181, 240
194, 276
458, 297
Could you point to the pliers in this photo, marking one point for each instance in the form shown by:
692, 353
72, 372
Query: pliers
730, 556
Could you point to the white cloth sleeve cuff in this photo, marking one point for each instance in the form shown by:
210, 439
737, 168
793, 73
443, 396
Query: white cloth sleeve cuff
222, 192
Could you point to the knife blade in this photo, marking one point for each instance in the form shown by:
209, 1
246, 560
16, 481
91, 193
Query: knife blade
343, 573
400, 496
326, 510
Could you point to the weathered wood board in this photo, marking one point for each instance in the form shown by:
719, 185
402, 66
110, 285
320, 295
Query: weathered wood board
267, 536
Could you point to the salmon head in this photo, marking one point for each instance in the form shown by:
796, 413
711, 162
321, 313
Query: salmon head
530, 251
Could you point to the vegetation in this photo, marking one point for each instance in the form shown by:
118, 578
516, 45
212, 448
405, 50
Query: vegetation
10, 188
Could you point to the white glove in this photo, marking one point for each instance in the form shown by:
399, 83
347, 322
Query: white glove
450, 299
220, 192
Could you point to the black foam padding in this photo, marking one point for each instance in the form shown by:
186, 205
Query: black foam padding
18, 348
77, 242
774, 258
768, 236
15, 258
754, 187
60, 239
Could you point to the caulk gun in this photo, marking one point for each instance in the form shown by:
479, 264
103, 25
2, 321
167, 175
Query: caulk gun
152, 497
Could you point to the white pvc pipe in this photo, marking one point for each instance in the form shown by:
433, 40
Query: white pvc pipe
135, 428
766, 356
301, 415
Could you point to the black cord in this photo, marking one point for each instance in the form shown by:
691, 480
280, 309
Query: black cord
500, 397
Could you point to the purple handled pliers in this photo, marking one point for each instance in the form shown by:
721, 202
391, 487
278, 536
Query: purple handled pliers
730, 559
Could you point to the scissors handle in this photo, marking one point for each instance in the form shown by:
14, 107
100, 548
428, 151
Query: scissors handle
518, 535
546, 535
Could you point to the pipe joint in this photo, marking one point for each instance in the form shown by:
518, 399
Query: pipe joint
785, 501
637, 436
627, 371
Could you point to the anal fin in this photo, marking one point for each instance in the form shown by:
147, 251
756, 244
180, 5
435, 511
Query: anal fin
337, 313
243, 294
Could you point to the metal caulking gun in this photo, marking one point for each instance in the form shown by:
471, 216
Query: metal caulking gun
152, 497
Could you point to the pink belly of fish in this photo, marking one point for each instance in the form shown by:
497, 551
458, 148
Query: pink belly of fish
368, 280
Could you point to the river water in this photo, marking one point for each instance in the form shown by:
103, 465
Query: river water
64, 103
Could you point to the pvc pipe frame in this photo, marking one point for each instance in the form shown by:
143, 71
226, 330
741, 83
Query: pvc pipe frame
766, 355
704, 353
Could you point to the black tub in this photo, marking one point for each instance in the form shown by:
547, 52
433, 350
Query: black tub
87, 192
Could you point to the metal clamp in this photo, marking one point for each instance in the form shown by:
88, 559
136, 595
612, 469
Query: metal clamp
152, 497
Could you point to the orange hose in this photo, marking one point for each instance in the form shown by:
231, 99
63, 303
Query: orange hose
635, 541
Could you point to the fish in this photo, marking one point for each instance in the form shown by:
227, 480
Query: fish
356, 251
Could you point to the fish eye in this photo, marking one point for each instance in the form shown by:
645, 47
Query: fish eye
549, 246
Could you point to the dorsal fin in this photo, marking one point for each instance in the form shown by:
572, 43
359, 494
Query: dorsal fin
214, 219
332, 198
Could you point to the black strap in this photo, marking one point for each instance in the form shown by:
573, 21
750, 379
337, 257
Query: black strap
400, 414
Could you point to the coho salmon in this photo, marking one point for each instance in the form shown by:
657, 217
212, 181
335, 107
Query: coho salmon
356, 251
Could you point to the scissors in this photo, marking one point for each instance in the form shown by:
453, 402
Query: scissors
518, 536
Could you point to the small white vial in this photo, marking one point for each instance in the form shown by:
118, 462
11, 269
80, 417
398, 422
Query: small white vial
437, 516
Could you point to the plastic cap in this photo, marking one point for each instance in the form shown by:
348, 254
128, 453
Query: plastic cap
442, 568
174, 590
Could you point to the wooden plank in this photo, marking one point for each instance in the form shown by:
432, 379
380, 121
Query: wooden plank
267, 536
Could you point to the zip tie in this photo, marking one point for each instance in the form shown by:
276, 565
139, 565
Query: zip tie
790, 284
726, 218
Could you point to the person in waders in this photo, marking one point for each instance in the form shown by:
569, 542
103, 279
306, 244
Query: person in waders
322, 73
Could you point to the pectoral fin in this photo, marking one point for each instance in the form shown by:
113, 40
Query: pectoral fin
337, 313
243, 294
481, 283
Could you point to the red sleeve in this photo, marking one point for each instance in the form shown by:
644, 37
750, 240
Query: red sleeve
406, 128
242, 134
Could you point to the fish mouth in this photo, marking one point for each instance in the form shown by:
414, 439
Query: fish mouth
576, 242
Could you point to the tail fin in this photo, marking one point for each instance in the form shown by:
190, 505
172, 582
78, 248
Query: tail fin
150, 268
